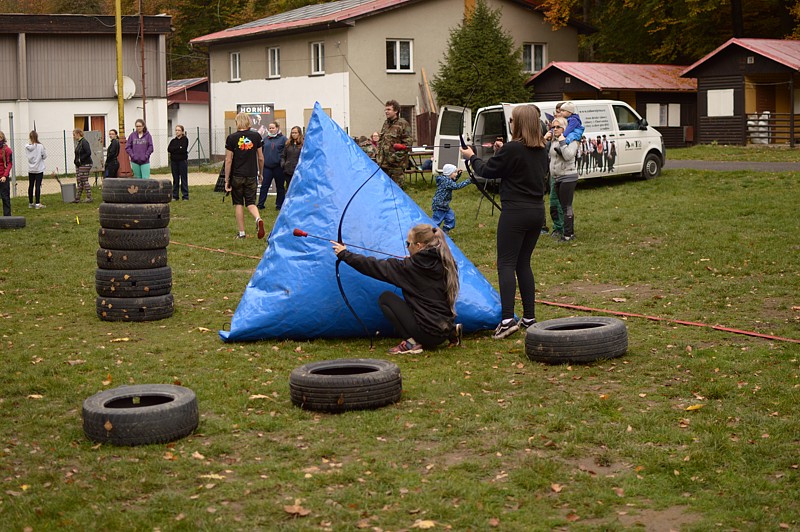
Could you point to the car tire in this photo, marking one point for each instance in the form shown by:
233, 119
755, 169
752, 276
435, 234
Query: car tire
141, 414
345, 384
652, 166
576, 340
130, 190
135, 308
133, 283
130, 259
134, 215
133, 238
12, 222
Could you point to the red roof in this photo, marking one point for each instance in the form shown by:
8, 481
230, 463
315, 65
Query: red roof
781, 51
330, 14
620, 76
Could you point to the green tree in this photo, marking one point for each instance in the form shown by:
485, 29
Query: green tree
500, 65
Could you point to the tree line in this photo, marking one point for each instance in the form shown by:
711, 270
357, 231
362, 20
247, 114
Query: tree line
626, 31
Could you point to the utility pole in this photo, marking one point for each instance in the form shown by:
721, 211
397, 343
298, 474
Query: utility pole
124, 161
141, 41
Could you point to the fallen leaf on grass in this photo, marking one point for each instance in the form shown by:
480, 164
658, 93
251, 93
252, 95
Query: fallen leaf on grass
169, 456
198, 456
108, 426
203, 329
260, 396
424, 524
694, 407
213, 476
572, 517
619, 491
556, 487
35, 396
125, 339
618, 299
296, 510
494, 522
75, 362
108, 380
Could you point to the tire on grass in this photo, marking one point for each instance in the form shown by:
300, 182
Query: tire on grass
345, 384
133, 283
133, 238
576, 340
131, 190
12, 222
135, 308
131, 259
140, 415
134, 215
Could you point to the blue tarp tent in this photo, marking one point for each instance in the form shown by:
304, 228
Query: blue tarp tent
293, 293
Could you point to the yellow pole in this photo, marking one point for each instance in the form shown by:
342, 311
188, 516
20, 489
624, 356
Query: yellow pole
124, 161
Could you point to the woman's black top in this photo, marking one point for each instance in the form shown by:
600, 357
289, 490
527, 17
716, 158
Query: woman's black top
522, 170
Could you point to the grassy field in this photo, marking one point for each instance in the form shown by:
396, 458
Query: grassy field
753, 152
693, 429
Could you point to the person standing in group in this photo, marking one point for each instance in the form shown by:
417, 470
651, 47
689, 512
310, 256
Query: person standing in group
290, 156
83, 165
394, 142
563, 172
522, 165
112, 155
36, 156
139, 147
244, 161
274, 143
425, 316
179, 161
441, 212
6, 162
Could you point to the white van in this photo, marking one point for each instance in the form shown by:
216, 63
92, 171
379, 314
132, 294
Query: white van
616, 139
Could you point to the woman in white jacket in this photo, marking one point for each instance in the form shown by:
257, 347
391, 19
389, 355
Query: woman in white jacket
562, 169
36, 156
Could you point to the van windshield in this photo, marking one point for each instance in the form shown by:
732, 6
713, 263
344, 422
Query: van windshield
626, 120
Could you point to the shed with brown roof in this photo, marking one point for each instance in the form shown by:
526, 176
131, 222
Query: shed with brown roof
749, 92
657, 92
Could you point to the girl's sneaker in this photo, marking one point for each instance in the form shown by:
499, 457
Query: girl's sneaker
505, 328
456, 336
40, 206
405, 348
526, 322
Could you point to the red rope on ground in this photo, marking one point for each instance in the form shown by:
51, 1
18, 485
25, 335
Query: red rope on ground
670, 320
215, 250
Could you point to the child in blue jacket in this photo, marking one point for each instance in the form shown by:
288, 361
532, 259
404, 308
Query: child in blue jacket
446, 183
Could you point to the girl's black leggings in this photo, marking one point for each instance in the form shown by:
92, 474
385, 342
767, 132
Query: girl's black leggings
402, 317
517, 232
35, 181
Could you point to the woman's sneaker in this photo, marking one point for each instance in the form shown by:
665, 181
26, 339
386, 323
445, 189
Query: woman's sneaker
505, 328
527, 322
405, 348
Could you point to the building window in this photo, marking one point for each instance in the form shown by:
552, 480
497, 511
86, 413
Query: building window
274, 62
236, 72
533, 57
664, 114
92, 123
399, 55
720, 102
317, 58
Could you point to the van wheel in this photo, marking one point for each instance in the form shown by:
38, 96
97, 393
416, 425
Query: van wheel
652, 166
140, 414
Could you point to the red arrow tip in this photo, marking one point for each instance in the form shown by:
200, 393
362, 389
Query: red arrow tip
299, 232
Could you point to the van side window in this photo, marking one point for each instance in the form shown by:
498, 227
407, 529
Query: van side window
626, 119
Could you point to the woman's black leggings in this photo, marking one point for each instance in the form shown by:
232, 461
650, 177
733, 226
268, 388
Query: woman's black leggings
402, 317
566, 193
517, 232
35, 181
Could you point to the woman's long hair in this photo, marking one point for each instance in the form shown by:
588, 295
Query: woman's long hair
433, 237
526, 126
34, 137
300, 138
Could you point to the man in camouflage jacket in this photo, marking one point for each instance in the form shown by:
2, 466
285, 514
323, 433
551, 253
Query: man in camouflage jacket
395, 143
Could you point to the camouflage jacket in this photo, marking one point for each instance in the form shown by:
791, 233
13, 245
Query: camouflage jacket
394, 132
369, 148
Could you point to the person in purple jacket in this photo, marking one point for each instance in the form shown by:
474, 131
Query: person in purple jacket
139, 148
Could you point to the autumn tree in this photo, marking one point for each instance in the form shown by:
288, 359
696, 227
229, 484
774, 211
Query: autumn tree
499, 76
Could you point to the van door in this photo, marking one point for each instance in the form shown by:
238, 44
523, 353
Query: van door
632, 141
453, 122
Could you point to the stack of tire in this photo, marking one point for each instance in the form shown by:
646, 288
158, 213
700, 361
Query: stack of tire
133, 280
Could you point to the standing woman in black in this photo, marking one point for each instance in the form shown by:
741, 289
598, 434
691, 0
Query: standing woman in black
522, 165
179, 161
290, 156
112, 155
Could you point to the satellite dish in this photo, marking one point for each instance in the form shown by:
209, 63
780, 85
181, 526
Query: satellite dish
128, 88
